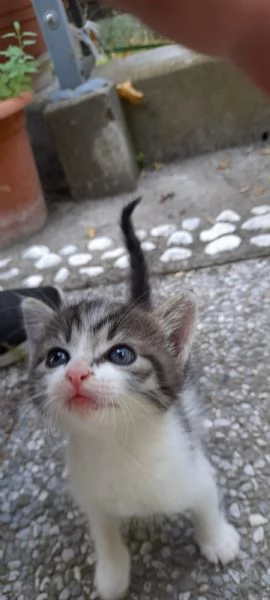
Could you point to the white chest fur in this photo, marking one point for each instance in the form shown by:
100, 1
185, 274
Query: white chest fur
148, 472
153, 471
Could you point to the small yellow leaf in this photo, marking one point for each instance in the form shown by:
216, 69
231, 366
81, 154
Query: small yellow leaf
259, 191
157, 166
224, 164
179, 274
91, 232
127, 91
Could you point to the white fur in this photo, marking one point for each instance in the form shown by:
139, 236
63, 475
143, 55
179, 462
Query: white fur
151, 471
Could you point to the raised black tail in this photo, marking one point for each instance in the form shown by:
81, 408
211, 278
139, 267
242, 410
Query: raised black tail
140, 287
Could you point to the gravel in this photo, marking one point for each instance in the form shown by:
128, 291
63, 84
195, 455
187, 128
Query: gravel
47, 554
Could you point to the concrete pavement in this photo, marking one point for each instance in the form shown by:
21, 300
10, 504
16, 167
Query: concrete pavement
46, 553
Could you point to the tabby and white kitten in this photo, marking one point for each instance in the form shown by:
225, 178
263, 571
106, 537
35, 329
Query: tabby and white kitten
117, 378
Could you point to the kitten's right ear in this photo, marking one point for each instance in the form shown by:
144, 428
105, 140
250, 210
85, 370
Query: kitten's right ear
36, 315
178, 317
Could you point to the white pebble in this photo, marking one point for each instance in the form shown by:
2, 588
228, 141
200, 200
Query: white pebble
76, 260
227, 243
67, 554
48, 260
35, 252
111, 254
229, 216
4, 262
91, 271
235, 511
259, 222
175, 254
43, 496
207, 424
221, 422
9, 274
100, 243
191, 224
122, 262
146, 548
235, 576
54, 530
68, 249
44, 584
261, 241
141, 234
61, 275
261, 210
184, 596
13, 575
249, 470
180, 238
77, 574
163, 230
256, 520
258, 535
216, 231
148, 246
33, 281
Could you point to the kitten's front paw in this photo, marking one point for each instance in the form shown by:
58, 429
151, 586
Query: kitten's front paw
222, 545
112, 576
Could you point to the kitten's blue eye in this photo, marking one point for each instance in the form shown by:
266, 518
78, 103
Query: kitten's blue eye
122, 355
57, 357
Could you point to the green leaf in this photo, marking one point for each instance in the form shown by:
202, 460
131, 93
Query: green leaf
17, 27
4, 91
14, 51
29, 33
29, 42
18, 67
29, 57
31, 68
9, 35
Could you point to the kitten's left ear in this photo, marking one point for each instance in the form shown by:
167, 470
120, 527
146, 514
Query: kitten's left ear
178, 316
36, 315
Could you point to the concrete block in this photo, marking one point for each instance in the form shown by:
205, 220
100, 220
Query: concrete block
92, 142
50, 170
192, 104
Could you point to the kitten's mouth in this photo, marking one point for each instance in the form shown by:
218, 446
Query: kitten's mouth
79, 401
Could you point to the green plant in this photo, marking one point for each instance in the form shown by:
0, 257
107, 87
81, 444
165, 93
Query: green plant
19, 66
140, 160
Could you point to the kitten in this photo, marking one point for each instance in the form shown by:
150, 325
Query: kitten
117, 378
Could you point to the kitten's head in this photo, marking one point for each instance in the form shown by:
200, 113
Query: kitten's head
97, 365
101, 366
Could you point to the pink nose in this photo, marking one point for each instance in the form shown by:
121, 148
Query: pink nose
77, 373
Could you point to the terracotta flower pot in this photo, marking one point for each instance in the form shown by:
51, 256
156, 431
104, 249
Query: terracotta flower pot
22, 205
22, 11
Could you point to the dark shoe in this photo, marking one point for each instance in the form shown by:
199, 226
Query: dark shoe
12, 334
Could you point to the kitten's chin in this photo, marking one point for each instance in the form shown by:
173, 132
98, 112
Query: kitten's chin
81, 402
86, 404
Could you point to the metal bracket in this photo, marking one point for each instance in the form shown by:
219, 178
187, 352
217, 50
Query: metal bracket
71, 67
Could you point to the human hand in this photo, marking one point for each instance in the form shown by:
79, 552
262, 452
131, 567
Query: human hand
238, 30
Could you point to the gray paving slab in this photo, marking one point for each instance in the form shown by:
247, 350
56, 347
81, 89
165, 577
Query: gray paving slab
46, 553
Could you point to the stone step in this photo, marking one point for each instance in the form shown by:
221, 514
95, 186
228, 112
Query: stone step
199, 189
